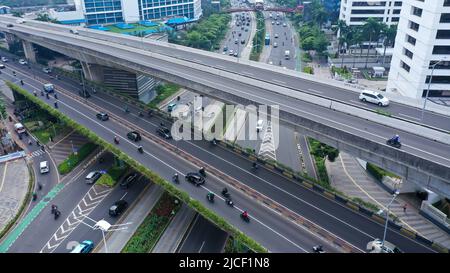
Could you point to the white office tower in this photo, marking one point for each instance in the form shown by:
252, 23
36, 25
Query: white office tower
355, 12
422, 42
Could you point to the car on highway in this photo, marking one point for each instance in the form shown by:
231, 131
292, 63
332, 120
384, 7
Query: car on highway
4, 59
2, 66
92, 177
195, 178
9, 25
164, 132
20, 21
376, 246
230, 52
235, 54
47, 70
278, 23
275, 44
276, 35
284, 25
118, 207
49, 88
373, 97
243, 41
171, 107
84, 247
74, 31
43, 167
236, 41
102, 116
248, 24
23, 62
134, 135
239, 34
225, 48
259, 125
273, 22
128, 180
246, 30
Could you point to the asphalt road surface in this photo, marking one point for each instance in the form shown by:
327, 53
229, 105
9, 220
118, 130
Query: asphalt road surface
272, 230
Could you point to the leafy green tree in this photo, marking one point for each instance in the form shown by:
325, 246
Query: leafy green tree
44, 17
389, 39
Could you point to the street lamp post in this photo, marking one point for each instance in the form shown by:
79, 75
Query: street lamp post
396, 192
428, 89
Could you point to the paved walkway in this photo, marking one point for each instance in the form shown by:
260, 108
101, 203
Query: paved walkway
169, 241
14, 179
117, 240
348, 176
64, 145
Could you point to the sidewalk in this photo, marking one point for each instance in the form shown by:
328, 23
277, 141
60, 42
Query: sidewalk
117, 240
348, 176
172, 236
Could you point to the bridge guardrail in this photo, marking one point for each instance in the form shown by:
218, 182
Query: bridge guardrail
289, 174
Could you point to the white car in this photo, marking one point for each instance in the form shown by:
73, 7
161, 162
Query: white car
376, 246
276, 35
230, 52
43, 167
275, 45
23, 62
284, 25
373, 97
4, 59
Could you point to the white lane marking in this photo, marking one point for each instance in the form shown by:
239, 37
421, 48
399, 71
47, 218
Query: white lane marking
197, 60
408, 116
221, 66
201, 247
123, 196
278, 81
248, 73
315, 91
358, 102
101, 125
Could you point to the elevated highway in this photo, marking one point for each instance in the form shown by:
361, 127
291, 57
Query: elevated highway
424, 158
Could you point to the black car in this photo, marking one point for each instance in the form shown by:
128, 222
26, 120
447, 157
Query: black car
9, 25
133, 135
195, 178
127, 181
102, 116
118, 207
164, 132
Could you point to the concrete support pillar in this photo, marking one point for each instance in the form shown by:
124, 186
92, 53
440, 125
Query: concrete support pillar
92, 72
10, 39
28, 49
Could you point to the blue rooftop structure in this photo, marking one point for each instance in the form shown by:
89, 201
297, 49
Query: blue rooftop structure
124, 26
147, 23
178, 21
73, 22
99, 27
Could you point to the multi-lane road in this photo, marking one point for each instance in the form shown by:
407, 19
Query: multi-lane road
267, 227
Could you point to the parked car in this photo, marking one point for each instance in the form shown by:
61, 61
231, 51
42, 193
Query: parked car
118, 207
276, 35
235, 54
164, 132
92, 177
128, 180
275, 45
230, 52
225, 48
195, 178
134, 135
84, 247
102, 116
171, 107
373, 97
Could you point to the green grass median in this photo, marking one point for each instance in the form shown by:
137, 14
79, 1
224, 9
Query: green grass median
74, 159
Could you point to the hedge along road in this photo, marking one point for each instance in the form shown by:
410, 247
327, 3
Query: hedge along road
347, 224
269, 228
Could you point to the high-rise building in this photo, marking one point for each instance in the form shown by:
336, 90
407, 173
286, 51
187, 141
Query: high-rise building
355, 12
116, 11
422, 42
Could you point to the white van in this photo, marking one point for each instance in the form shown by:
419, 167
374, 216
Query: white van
43, 167
373, 97
19, 128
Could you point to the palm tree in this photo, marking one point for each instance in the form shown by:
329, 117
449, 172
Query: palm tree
371, 28
343, 30
390, 34
357, 38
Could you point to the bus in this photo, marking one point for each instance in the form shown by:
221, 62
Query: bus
267, 39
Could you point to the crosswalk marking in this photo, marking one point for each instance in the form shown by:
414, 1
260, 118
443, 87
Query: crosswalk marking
36, 153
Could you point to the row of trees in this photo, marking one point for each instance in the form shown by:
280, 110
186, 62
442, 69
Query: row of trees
206, 34
372, 31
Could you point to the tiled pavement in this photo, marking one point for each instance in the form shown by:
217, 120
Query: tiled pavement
348, 176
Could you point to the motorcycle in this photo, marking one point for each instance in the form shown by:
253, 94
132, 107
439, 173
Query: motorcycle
47, 96
225, 193
254, 166
42, 93
393, 143
140, 149
56, 104
210, 197
175, 178
202, 171
214, 142
56, 96
54, 209
57, 213
116, 140
318, 249
21, 82
229, 202
244, 217
141, 114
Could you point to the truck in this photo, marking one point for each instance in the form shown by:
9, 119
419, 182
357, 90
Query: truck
287, 54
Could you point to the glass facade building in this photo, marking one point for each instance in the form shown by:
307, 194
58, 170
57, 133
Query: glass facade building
116, 11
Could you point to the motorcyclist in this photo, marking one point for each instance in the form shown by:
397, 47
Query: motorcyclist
126, 109
14, 73
116, 139
202, 170
21, 82
175, 177
35, 93
140, 114
210, 196
54, 208
245, 214
140, 149
254, 165
56, 96
395, 139
214, 142
228, 201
